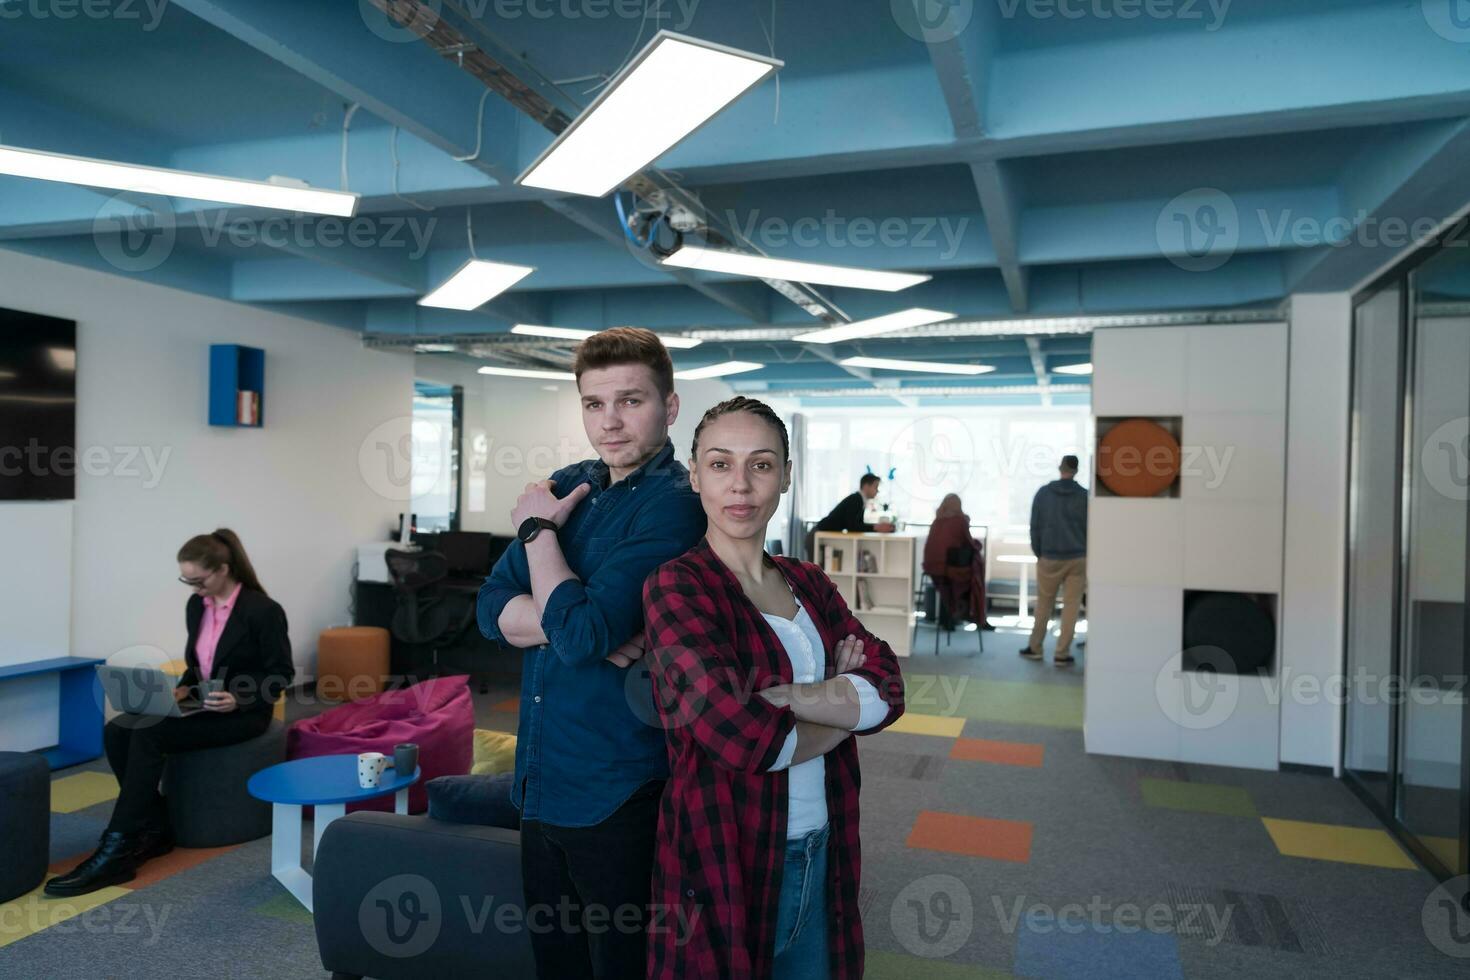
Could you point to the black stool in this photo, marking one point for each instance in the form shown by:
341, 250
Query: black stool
25, 822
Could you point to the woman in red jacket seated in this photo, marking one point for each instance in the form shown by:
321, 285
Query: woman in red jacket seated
760, 675
955, 583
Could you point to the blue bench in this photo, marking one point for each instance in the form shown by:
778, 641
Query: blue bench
80, 735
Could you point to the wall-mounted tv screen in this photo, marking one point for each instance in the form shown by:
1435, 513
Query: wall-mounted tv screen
38, 407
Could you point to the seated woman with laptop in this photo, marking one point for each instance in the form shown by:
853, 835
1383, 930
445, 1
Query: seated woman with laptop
239, 662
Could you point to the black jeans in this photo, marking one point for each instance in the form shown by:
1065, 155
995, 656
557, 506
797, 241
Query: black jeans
588, 889
137, 745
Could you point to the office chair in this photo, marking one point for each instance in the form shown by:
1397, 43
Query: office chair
426, 615
959, 557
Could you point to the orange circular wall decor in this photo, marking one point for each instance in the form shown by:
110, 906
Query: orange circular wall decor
1138, 458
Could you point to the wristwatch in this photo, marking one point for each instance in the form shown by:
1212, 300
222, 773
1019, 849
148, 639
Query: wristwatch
533, 526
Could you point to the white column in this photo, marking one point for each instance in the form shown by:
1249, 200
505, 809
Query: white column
1313, 575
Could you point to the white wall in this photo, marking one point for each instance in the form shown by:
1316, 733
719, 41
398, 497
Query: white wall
1227, 384
529, 429
1312, 611
295, 490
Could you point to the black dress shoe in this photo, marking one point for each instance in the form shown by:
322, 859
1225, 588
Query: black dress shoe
155, 842
115, 861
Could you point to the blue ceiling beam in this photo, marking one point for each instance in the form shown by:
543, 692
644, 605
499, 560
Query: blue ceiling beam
1115, 230
408, 85
284, 280
963, 63
1340, 67
1394, 192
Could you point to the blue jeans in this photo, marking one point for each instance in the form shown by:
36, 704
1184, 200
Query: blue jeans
802, 934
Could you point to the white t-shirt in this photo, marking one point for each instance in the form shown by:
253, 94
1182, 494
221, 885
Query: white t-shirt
807, 781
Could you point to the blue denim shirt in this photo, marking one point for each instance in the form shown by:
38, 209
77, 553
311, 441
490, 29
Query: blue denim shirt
581, 749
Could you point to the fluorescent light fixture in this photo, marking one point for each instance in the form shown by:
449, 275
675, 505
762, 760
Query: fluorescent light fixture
18, 162
762, 267
475, 284
571, 333
869, 328
505, 372
922, 367
1079, 369
675, 85
718, 370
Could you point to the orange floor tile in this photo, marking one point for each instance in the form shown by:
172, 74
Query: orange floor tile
1001, 753
955, 833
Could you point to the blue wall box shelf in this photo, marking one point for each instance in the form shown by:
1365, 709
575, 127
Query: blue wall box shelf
236, 386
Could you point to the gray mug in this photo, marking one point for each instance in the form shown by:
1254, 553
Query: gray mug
405, 758
212, 686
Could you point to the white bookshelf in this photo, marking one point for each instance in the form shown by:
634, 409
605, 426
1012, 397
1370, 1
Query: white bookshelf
882, 598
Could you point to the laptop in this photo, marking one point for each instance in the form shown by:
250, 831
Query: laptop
144, 691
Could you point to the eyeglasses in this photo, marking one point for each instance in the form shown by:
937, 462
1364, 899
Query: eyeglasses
194, 583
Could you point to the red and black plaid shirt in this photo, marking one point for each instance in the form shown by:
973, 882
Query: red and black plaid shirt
722, 822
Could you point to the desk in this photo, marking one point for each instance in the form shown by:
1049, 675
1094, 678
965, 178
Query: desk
1025, 561
328, 783
80, 735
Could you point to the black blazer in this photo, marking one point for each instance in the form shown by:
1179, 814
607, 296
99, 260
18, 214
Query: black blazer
253, 656
847, 515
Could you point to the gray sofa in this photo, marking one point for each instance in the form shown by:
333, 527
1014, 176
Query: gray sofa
411, 897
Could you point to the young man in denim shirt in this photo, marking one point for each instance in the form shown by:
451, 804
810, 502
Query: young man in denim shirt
589, 770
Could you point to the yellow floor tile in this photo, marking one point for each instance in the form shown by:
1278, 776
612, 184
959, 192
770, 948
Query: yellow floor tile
914, 724
33, 911
72, 793
1329, 842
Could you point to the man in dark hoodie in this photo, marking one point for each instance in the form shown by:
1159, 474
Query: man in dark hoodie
1059, 540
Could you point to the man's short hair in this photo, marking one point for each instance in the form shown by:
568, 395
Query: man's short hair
1069, 463
627, 345
869, 479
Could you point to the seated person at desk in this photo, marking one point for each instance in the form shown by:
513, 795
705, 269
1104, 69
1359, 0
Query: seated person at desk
237, 637
848, 515
961, 587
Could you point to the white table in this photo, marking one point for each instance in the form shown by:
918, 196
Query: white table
1025, 561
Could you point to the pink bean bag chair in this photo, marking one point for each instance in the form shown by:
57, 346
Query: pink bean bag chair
437, 715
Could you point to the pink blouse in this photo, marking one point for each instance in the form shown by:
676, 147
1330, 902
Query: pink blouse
216, 615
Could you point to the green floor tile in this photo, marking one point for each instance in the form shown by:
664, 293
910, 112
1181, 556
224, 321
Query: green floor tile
285, 907
898, 966
1010, 702
1231, 801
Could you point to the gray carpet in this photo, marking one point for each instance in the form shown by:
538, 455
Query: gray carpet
1221, 901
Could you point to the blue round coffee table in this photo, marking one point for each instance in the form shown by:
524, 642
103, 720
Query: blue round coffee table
327, 782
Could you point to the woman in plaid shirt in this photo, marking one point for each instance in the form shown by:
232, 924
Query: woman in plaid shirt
760, 675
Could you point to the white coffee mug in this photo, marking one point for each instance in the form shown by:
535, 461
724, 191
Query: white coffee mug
370, 766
